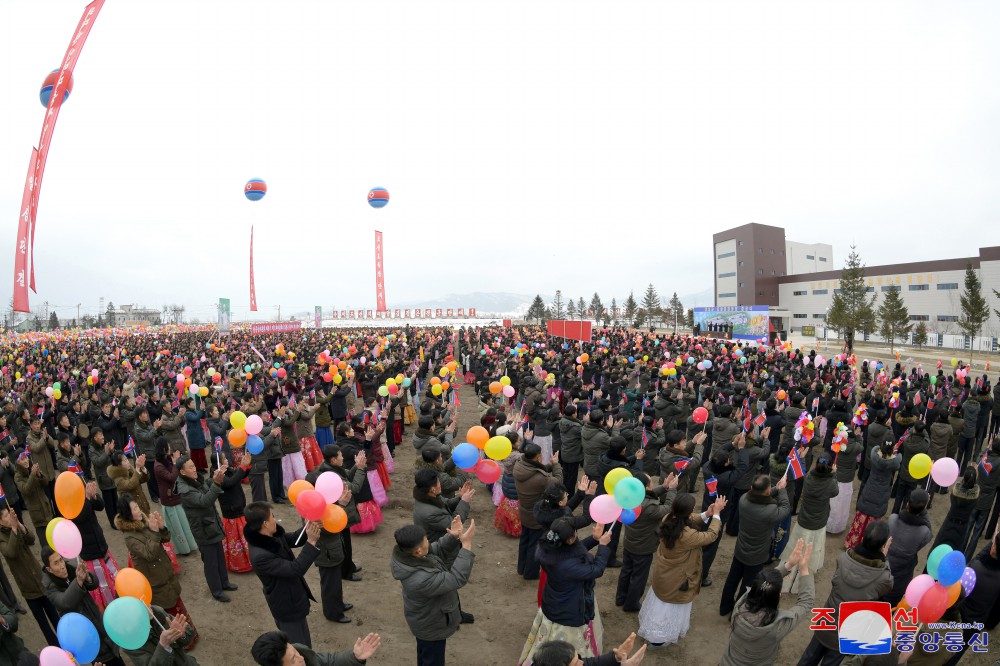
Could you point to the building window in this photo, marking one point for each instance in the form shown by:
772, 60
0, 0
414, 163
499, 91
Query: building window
782, 273
760, 271
741, 263
772, 251
725, 275
947, 285
782, 253
725, 255
811, 256
728, 295
740, 243
890, 287
760, 250
760, 293
870, 290
947, 318
820, 292
799, 316
800, 293
836, 291
920, 318
819, 316
918, 287
823, 259
773, 273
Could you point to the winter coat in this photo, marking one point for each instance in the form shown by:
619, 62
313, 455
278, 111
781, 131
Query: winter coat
435, 514
151, 653
753, 454
148, 556
914, 444
953, 529
198, 500
874, 497
449, 475
338, 405
95, 546
233, 501
42, 445
759, 515
814, 506
940, 436
643, 535
166, 480
847, 460
422, 437
987, 482
531, 478
289, 438
723, 433
878, 434
145, 439
546, 515
676, 575
33, 493
100, 461
751, 644
909, 534
132, 481
11, 645
595, 441
195, 434
430, 588
668, 459
24, 565
170, 427
970, 416
611, 461
791, 415
570, 433
68, 597
281, 573
856, 579
571, 572
980, 605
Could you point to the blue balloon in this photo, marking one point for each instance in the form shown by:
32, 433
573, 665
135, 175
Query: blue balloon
690, 360
708, 364
127, 622
255, 445
951, 568
465, 456
631, 359
79, 636
628, 516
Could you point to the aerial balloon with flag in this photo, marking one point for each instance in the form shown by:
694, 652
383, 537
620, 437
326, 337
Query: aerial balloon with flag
255, 189
378, 197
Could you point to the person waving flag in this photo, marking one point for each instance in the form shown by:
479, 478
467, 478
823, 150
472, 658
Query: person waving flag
129, 446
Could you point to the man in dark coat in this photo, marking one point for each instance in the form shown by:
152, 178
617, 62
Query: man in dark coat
282, 574
275, 649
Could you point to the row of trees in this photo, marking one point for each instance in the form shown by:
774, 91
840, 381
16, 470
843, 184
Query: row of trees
647, 312
854, 310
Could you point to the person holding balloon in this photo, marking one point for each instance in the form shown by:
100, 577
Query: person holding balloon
95, 555
145, 537
915, 465
353, 481
910, 530
198, 499
169, 638
15, 544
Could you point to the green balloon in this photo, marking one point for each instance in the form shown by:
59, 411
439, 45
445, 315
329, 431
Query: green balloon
406, 383
127, 622
383, 391
246, 368
629, 493
277, 365
934, 559
57, 386
933, 379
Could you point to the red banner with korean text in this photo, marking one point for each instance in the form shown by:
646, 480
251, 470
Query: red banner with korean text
275, 327
253, 291
23, 229
571, 330
379, 275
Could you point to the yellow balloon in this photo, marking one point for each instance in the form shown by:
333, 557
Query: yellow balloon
436, 389
48, 530
56, 393
390, 382
444, 372
920, 465
337, 379
505, 381
238, 420
613, 477
498, 448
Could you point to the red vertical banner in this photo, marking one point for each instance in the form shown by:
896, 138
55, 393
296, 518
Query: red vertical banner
52, 112
379, 275
23, 230
253, 291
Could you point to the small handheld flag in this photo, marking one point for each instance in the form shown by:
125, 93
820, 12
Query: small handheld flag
129, 446
761, 418
986, 464
218, 444
681, 465
75, 468
795, 464
712, 485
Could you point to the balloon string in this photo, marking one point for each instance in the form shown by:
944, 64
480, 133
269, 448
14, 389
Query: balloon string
155, 619
301, 533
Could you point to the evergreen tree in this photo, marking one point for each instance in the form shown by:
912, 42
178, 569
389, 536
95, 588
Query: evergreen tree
676, 311
851, 309
537, 309
614, 311
558, 308
640, 317
920, 335
581, 308
36, 323
975, 311
651, 304
630, 310
100, 321
597, 307
894, 318
53, 321
689, 321
571, 309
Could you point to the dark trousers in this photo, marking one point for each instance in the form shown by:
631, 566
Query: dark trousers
903, 491
110, 505
632, 580
331, 591
733, 524
214, 560
991, 526
527, 565
570, 471
430, 653
274, 479
258, 488
151, 485
348, 566
708, 555
966, 445
740, 577
50, 492
46, 617
298, 631
817, 654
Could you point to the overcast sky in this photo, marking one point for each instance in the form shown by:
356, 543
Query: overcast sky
527, 146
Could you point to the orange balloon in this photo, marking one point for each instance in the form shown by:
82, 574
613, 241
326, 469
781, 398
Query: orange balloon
334, 518
132, 583
187, 382
342, 365
297, 487
584, 357
70, 494
477, 436
445, 386
237, 437
953, 593
249, 375
453, 366
435, 380
495, 387
781, 395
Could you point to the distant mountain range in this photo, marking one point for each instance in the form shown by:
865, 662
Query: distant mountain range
483, 302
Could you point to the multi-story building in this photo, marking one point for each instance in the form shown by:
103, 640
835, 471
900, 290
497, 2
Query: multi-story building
131, 315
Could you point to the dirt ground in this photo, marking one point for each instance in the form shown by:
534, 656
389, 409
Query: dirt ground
503, 604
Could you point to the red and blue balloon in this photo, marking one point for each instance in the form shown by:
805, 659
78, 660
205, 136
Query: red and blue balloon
49, 84
255, 189
378, 197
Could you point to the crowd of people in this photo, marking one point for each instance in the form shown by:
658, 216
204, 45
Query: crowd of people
145, 418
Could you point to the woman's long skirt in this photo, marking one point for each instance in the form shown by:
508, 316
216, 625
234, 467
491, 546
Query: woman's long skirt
857, 530
234, 545
587, 640
105, 570
371, 517
661, 622
180, 529
507, 518
840, 508
311, 455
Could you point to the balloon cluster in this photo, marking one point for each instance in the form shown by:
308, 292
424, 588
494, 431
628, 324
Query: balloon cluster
319, 502
860, 415
894, 400
246, 431
623, 501
804, 428
937, 590
468, 455
503, 386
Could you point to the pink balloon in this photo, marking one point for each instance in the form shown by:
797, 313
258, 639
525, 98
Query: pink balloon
253, 425
603, 509
508, 391
330, 486
914, 591
66, 538
944, 472
55, 656
805, 360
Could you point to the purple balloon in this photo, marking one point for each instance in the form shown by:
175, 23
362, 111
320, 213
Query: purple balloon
968, 580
